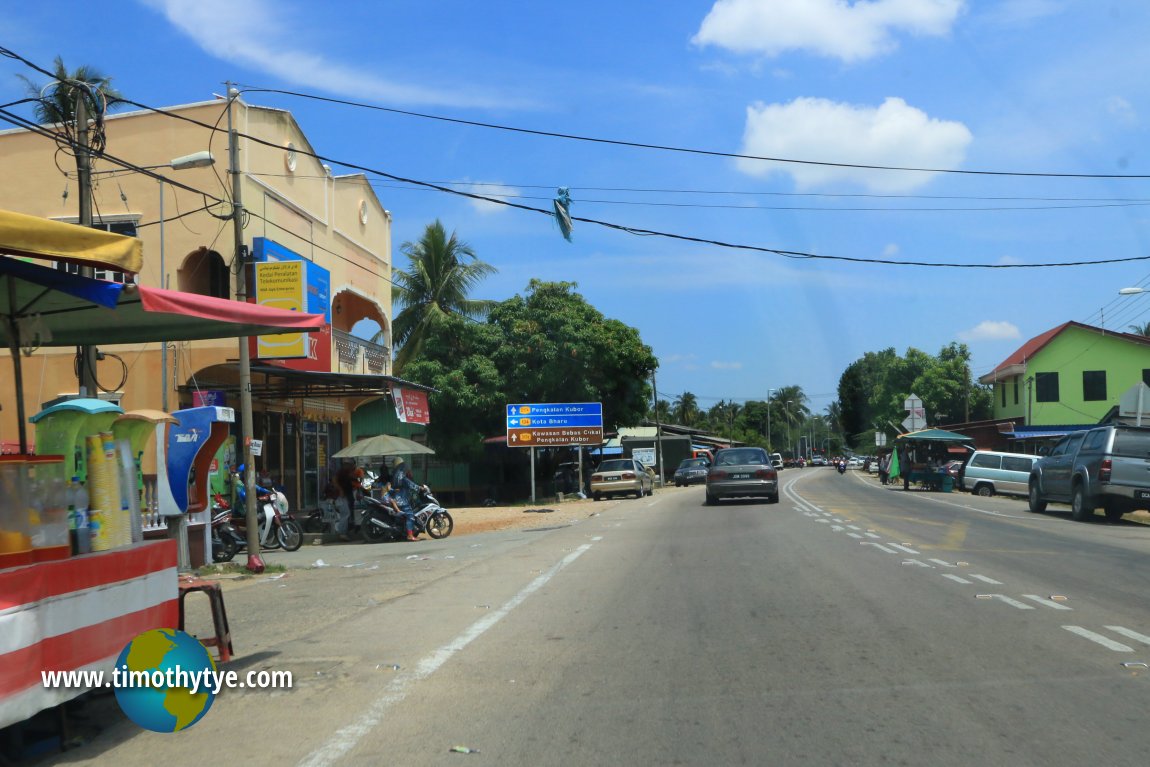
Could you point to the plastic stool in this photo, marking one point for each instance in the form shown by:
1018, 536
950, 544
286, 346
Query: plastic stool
223, 638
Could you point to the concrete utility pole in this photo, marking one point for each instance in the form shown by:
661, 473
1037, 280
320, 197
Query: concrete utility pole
85, 355
255, 562
658, 430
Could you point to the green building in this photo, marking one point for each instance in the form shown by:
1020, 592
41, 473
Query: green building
1071, 374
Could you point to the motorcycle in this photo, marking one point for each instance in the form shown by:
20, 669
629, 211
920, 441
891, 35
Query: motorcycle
277, 527
380, 521
224, 545
842, 467
324, 519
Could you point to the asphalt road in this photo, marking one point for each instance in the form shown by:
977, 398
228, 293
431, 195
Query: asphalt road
847, 624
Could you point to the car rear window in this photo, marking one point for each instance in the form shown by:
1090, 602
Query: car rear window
1016, 463
616, 465
1132, 442
986, 461
741, 457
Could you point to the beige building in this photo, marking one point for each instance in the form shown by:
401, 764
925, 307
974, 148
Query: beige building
297, 210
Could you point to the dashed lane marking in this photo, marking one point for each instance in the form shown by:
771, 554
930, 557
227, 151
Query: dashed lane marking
1006, 599
957, 578
900, 547
878, 546
941, 562
1130, 634
1105, 641
1046, 602
984, 579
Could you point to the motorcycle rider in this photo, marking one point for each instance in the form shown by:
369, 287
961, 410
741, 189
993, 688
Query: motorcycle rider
402, 489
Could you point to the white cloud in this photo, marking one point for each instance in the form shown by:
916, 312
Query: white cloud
489, 189
990, 330
850, 31
259, 34
1012, 13
1122, 111
890, 251
892, 134
718, 365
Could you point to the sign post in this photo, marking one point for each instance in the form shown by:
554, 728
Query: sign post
917, 418
563, 424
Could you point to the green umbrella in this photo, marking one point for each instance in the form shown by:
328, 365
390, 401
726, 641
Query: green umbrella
383, 444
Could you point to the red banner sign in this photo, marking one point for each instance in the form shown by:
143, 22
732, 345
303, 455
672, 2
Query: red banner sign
411, 406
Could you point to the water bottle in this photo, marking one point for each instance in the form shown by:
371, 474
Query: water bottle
83, 531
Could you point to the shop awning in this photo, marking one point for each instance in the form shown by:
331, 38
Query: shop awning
933, 435
34, 237
275, 382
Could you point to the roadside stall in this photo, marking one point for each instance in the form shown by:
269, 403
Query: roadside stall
61, 609
922, 458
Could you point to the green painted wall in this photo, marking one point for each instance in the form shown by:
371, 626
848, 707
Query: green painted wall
1069, 354
378, 417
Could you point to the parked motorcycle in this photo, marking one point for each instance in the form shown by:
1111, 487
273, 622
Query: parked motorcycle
381, 522
325, 519
277, 527
224, 546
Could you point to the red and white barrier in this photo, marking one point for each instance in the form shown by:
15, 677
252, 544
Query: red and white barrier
78, 614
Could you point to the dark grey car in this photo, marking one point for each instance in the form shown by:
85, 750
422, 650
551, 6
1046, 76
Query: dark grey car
742, 472
1108, 466
691, 471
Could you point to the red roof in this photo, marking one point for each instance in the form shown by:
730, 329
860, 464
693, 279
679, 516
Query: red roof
1034, 345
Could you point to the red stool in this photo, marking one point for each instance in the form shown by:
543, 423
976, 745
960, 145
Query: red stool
223, 638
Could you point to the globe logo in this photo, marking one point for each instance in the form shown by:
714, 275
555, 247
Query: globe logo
160, 680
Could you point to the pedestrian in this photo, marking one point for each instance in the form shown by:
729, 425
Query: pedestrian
348, 484
884, 468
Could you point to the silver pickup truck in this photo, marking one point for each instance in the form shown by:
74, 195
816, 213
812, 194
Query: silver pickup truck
1108, 466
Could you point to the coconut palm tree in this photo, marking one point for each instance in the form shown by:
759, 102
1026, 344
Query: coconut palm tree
442, 272
56, 101
685, 408
1141, 330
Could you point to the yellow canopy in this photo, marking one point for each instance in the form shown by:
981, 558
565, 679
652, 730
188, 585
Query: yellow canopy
23, 235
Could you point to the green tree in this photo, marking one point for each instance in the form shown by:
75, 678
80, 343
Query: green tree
1140, 330
442, 272
685, 409
56, 100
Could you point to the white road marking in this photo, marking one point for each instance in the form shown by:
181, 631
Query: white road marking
1130, 634
900, 547
854, 535
1106, 642
984, 579
917, 563
873, 535
957, 578
878, 546
941, 562
597, 538
854, 527
346, 738
1007, 600
823, 521
1046, 602
837, 528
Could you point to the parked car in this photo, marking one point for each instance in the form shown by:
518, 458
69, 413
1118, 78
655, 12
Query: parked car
989, 472
742, 472
1106, 466
691, 471
621, 476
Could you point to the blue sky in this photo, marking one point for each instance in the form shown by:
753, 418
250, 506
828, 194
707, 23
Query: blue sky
1037, 86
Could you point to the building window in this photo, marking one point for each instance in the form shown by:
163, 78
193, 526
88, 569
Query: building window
1146, 376
1046, 387
1016, 390
1004, 393
1093, 385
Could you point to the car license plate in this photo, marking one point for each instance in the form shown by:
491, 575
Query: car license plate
1142, 495
613, 478
740, 476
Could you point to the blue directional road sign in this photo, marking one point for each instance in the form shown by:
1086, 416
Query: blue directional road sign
553, 424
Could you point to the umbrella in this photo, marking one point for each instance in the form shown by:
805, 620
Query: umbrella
47, 307
383, 444
933, 435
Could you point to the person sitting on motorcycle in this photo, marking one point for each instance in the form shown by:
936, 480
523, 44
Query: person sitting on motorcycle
404, 488
392, 498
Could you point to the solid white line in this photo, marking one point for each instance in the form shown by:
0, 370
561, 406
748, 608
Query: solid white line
346, 738
957, 578
1046, 602
1106, 642
1130, 634
984, 579
900, 547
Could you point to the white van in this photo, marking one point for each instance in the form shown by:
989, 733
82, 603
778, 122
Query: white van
988, 472
777, 460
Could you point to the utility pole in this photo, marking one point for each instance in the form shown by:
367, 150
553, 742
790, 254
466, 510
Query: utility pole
85, 355
658, 431
255, 562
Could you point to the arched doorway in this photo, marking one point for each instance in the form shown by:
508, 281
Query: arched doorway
204, 273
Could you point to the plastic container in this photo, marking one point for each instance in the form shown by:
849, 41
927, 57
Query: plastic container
16, 512
48, 498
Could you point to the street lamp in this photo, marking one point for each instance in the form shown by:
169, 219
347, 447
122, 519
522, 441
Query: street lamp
195, 160
769, 418
1131, 291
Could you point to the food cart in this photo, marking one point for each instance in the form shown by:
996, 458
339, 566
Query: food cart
77, 613
923, 455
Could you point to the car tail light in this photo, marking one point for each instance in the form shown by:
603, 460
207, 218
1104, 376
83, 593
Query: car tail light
596, 477
766, 474
717, 474
628, 475
1104, 471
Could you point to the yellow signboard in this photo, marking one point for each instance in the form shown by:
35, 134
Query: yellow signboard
281, 284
